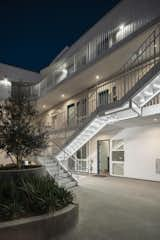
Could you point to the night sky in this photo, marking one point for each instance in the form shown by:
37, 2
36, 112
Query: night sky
33, 32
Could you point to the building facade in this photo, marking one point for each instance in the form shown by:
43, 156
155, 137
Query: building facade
101, 96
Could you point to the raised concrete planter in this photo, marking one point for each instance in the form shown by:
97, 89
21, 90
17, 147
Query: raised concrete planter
44, 227
8, 174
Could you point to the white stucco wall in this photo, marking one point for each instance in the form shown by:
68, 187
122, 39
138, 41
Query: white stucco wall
142, 148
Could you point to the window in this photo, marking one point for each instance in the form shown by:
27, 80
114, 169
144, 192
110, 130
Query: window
114, 94
118, 150
157, 166
117, 157
54, 120
71, 114
81, 164
70, 67
81, 57
81, 109
103, 97
117, 169
102, 44
82, 152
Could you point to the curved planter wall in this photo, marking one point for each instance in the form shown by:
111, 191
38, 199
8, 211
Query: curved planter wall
43, 227
8, 174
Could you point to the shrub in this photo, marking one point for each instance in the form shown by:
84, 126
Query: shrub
29, 196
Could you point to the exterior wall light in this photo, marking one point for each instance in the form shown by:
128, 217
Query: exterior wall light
121, 27
155, 119
5, 82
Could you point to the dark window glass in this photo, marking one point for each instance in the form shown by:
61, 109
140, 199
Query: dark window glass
71, 114
82, 152
103, 97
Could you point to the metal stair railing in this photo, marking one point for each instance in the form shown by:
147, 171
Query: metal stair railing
112, 90
61, 165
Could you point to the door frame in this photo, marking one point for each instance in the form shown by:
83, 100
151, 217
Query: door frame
98, 162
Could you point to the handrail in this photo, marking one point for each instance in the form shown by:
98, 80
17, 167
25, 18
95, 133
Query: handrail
93, 49
72, 157
141, 61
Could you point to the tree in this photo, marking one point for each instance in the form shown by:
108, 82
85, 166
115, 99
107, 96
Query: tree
20, 133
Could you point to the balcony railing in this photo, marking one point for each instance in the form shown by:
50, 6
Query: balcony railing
92, 51
87, 54
112, 91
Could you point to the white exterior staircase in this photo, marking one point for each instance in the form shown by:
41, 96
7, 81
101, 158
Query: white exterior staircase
134, 92
145, 87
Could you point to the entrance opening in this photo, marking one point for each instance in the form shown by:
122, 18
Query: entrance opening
103, 157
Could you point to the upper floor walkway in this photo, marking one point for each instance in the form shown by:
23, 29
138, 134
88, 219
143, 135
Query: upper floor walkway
114, 91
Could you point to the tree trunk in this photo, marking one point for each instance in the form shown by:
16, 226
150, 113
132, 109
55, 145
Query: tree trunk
19, 162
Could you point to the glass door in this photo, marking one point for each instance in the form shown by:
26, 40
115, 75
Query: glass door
103, 157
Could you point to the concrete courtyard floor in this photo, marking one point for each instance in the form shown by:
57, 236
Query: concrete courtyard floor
116, 209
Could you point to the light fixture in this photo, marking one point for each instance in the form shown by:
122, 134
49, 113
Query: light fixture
155, 119
97, 77
62, 95
44, 106
64, 71
5, 82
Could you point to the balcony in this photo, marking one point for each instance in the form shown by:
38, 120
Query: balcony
97, 47
113, 92
66, 66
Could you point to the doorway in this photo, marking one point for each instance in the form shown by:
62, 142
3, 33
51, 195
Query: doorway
103, 150
71, 114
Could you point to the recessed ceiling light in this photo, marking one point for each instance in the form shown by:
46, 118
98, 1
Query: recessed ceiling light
97, 77
62, 95
44, 106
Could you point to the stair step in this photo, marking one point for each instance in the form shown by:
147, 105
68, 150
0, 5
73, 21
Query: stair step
63, 180
52, 165
61, 175
70, 184
49, 161
64, 174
